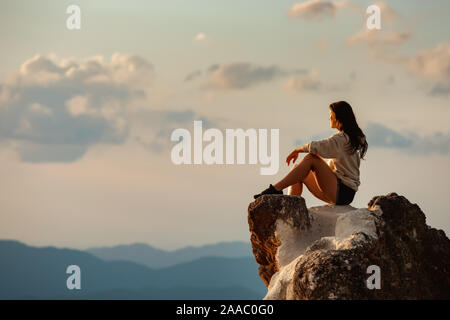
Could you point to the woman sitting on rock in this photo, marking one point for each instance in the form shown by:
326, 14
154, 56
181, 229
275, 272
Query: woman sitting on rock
337, 182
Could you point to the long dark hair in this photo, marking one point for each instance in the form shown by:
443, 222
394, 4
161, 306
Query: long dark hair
344, 114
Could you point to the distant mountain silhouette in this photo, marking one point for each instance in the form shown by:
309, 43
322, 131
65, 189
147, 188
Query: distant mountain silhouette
36, 273
156, 258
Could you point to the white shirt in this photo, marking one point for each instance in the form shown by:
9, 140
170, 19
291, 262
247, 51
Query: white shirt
343, 164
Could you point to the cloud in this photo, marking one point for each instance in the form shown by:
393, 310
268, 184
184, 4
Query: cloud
54, 110
193, 75
431, 65
312, 9
381, 136
241, 75
388, 14
316, 9
387, 35
311, 82
440, 89
303, 83
376, 38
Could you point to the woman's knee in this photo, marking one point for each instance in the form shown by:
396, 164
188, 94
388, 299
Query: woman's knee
311, 157
307, 158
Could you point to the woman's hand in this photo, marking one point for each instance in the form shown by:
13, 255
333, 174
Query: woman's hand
292, 156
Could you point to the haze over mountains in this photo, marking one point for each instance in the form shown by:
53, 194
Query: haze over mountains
156, 258
40, 273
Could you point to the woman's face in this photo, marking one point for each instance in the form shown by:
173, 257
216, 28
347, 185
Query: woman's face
333, 122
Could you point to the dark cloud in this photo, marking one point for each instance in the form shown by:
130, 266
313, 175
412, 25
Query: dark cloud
175, 116
440, 89
193, 75
242, 75
313, 9
379, 135
213, 68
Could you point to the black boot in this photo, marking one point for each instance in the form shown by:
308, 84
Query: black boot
270, 190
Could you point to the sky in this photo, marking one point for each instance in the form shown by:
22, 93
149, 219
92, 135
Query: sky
86, 115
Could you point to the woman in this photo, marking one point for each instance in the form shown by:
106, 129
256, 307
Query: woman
337, 182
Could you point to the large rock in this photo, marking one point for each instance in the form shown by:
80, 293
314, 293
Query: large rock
325, 252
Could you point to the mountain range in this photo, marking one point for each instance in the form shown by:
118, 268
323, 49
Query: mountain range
156, 258
28, 272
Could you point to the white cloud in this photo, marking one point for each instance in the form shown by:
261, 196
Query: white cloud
48, 105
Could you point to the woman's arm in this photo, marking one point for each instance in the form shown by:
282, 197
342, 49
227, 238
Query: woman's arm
326, 148
301, 149
294, 154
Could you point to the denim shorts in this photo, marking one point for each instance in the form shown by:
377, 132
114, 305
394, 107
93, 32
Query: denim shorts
344, 194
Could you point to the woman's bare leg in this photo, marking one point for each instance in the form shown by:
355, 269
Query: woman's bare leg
295, 189
311, 184
325, 177
313, 187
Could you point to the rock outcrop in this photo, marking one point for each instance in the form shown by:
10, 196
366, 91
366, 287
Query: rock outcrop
384, 251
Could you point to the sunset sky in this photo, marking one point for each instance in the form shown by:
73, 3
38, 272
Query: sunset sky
86, 115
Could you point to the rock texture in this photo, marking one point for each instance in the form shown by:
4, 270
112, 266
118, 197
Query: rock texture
324, 252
